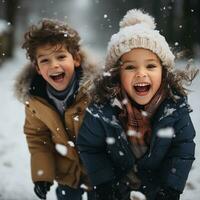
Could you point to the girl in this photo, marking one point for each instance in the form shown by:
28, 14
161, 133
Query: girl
142, 95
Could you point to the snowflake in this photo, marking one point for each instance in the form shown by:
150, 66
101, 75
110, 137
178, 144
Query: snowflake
105, 16
166, 132
76, 118
71, 143
61, 149
40, 172
135, 195
110, 140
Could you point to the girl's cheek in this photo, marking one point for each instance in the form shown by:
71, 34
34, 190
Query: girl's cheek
123, 78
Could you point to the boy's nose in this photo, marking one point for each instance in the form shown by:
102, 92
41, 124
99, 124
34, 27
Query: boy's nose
54, 64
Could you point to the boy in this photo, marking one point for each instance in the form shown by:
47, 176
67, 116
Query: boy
53, 88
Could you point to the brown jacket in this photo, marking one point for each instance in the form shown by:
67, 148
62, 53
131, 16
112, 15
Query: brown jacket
45, 129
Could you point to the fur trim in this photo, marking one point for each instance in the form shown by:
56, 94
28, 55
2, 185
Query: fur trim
91, 70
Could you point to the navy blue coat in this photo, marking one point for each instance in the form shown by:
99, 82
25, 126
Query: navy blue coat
167, 162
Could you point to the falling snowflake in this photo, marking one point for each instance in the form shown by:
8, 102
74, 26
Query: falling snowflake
110, 140
63, 192
105, 16
176, 43
173, 170
83, 186
166, 132
135, 195
133, 133
76, 118
71, 143
40, 172
106, 74
144, 113
125, 101
61, 149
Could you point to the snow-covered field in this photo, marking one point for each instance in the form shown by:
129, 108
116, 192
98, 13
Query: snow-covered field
15, 177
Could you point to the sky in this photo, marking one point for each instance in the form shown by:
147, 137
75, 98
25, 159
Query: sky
15, 177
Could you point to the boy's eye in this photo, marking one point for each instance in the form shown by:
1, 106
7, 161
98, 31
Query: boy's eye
62, 56
44, 61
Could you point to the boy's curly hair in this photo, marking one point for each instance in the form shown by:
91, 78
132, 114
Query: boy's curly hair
53, 32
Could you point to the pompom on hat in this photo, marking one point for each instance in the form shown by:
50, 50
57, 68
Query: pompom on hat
137, 30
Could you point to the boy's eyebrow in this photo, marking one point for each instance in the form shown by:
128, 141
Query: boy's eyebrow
39, 56
58, 51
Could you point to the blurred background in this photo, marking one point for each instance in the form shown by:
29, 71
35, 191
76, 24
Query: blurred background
97, 20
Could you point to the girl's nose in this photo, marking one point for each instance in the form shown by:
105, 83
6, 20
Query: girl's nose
140, 74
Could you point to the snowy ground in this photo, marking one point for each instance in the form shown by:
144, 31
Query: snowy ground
15, 177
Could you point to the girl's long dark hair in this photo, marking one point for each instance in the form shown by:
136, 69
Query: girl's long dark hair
108, 84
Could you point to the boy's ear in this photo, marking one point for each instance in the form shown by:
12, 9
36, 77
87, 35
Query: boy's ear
77, 60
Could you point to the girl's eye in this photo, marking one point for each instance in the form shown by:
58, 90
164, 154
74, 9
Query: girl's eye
151, 66
129, 67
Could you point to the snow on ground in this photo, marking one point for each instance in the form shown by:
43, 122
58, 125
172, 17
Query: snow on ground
15, 177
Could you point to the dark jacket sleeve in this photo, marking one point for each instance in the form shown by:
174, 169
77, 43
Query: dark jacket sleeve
180, 157
92, 147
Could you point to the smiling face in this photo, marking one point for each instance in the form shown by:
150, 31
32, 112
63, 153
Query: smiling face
141, 74
56, 65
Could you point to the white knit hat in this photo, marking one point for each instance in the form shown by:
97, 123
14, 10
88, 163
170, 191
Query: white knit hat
137, 30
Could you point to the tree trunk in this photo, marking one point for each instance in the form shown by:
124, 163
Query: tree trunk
11, 10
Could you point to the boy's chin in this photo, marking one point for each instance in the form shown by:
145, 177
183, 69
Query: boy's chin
59, 89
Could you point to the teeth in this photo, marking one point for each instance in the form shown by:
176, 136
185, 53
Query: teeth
56, 74
141, 84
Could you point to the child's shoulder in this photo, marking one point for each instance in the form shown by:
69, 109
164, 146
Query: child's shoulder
178, 102
103, 111
23, 82
174, 107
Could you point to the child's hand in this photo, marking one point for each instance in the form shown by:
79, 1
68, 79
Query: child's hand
41, 188
135, 195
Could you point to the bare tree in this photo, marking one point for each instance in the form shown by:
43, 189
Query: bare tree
10, 17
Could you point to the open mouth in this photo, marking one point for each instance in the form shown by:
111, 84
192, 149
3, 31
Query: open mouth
57, 76
142, 87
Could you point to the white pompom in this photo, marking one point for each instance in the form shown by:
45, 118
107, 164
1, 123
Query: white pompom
136, 16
